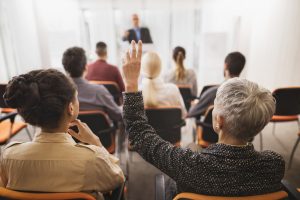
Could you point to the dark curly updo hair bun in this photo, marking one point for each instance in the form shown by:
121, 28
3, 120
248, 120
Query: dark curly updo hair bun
40, 96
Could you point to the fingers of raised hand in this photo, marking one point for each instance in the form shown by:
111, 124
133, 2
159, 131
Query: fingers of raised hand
140, 47
133, 50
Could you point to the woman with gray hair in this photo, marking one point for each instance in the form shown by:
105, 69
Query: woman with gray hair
232, 167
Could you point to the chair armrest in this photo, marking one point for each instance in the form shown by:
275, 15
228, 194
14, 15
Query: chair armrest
291, 190
10, 116
160, 192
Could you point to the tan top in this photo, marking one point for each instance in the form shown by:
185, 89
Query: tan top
54, 162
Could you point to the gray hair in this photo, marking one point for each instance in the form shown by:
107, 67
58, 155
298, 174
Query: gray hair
245, 106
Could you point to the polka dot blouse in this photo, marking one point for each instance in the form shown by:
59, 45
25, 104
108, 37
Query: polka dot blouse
220, 169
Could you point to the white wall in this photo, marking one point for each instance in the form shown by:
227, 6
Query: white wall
274, 55
36, 32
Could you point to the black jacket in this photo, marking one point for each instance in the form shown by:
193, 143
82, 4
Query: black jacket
145, 35
219, 170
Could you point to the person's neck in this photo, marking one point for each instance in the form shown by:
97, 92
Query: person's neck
55, 130
227, 77
103, 58
61, 128
225, 139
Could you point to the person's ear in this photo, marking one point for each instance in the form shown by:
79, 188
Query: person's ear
219, 123
71, 109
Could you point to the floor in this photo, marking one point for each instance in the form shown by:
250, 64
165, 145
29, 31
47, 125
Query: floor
141, 183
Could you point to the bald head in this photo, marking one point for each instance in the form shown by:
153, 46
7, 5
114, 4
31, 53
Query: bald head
135, 20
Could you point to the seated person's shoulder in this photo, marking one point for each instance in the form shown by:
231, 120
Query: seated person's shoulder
11, 147
95, 152
96, 87
272, 156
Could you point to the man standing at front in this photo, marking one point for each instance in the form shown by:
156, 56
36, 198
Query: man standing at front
137, 33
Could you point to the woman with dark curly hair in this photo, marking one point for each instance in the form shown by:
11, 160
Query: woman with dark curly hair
53, 162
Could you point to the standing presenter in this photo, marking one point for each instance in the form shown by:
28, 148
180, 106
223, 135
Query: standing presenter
137, 33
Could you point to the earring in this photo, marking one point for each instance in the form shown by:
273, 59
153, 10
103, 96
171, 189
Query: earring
217, 126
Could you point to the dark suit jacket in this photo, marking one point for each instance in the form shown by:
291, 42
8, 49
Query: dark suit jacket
206, 100
145, 35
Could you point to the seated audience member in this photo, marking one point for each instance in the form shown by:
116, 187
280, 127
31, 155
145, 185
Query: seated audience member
232, 167
233, 66
100, 70
155, 91
180, 75
91, 96
53, 162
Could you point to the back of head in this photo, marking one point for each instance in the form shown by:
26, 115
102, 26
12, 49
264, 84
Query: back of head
151, 68
40, 96
235, 63
245, 106
101, 49
178, 57
74, 61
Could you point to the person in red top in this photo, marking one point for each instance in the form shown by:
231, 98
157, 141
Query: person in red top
100, 70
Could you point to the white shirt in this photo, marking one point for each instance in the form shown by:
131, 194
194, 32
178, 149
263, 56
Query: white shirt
167, 94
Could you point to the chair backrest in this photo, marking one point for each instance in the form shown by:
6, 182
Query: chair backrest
270, 196
208, 133
167, 121
2, 91
206, 87
11, 194
113, 89
287, 101
100, 124
186, 93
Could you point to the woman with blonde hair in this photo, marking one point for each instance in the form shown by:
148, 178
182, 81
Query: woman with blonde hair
180, 75
155, 91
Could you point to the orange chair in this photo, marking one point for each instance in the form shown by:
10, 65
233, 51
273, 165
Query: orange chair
287, 110
11, 194
113, 89
270, 196
9, 128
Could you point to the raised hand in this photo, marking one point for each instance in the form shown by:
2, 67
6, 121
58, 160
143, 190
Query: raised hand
84, 134
132, 67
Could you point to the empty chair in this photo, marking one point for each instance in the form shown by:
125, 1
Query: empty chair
167, 122
186, 93
113, 89
287, 110
205, 132
9, 128
101, 126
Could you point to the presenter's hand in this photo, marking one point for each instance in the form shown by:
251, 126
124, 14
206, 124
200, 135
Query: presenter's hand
132, 67
126, 34
84, 134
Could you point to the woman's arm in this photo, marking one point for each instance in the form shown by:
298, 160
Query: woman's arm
174, 161
179, 164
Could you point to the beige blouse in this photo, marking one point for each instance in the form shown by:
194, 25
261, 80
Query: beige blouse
54, 162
